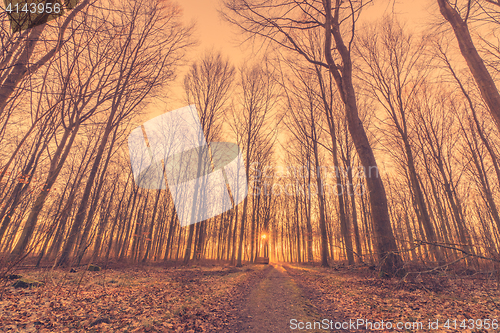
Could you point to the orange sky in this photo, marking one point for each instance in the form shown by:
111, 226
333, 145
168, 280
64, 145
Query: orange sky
211, 31
215, 34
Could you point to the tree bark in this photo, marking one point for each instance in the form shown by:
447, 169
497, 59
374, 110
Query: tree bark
384, 241
483, 79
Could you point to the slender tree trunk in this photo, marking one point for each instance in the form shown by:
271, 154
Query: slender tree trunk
344, 223
171, 229
56, 165
151, 227
354, 215
187, 253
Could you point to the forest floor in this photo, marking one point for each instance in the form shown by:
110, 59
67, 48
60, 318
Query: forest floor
254, 298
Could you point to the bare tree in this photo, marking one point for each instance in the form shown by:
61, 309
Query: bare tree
19, 58
283, 23
208, 86
145, 60
458, 18
395, 69
251, 124
306, 126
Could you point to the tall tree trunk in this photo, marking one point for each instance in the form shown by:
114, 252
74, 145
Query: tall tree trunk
170, 234
418, 197
308, 212
321, 202
354, 215
483, 79
151, 226
187, 253
384, 240
344, 223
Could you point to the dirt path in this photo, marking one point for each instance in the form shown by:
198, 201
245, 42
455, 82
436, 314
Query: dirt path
273, 302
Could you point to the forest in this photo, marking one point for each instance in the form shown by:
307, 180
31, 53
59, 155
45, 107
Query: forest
370, 149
